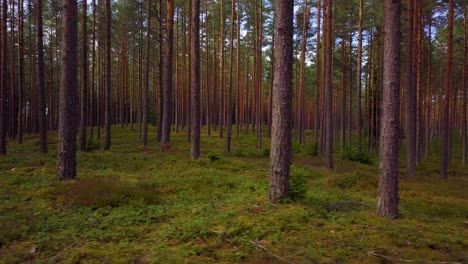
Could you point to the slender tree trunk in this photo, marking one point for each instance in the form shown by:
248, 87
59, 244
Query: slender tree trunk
301, 122
21, 71
41, 79
168, 87
221, 72
282, 101
411, 94
446, 126
195, 79
108, 95
160, 71
229, 101
329, 85
3, 77
465, 83
84, 80
318, 82
390, 129
147, 73
67, 129
359, 73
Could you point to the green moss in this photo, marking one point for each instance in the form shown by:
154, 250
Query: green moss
135, 206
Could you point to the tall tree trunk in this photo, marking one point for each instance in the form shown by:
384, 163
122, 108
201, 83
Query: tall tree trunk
411, 93
446, 126
282, 101
21, 70
318, 82
107, 94
67, 129
147, 73
84, 78
168, 87
3, 77
359, 73
195, 79
390, 127
40, 79
329, 85
301, 114
160, 70
229, 101
221, 72
465, 82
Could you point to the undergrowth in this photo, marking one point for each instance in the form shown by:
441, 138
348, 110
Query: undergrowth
135, 206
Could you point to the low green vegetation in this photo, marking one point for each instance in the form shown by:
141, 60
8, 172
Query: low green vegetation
131, 205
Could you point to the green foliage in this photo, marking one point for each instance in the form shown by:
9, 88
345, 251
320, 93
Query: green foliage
354, 180
352, 153
213, 156
134, 206
92, 145
104, 192
312, 149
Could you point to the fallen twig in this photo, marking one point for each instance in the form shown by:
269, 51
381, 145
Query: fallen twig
259, 246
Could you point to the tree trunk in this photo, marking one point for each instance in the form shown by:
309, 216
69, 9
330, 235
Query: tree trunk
147, 72
107, 93
67, 129
359, 73
446, 127
40, 79
168, 87
390, 129
465, 83
329, 85
195, 79
84, 80
3, 77
21, 71
282, 101
229, 101
411, 94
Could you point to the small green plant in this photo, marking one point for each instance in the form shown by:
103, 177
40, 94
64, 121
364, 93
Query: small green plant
297, 185
213, 156
312, 149
266, 152
354, 180
93, 145
354, 154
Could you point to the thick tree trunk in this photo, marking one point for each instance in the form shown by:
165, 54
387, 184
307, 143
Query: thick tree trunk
84, 78
282, 101
195, 79
390, 129
67, 129
41, 79
168, 87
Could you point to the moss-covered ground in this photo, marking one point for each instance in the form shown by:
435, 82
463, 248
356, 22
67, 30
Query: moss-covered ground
136, 206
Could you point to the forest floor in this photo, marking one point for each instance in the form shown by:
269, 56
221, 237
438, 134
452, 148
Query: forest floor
135, 206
